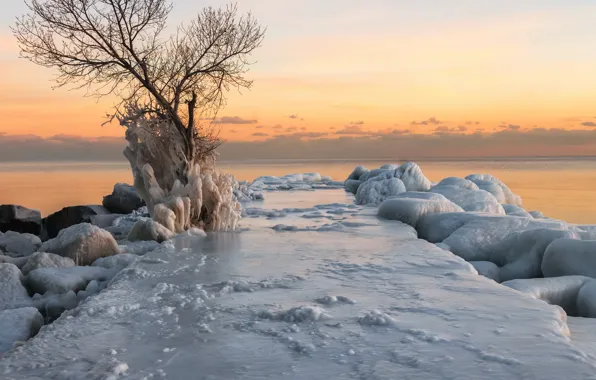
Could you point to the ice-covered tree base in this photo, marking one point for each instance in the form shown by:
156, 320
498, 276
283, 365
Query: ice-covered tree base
180, 192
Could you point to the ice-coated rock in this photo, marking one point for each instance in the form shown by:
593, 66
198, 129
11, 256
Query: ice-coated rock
117, 261
568, 257
515, 210
357, 173
457, 182
352, 185
18, 325
84, 243
104, 220
52, 305
565, 291
17, 245
123, 199
19, 219
409, 207
487, 269
18, 261
497, 188
13, 294
470, 200
412, 177
376, 191
46, 260
62, 280
147, 229
69, 216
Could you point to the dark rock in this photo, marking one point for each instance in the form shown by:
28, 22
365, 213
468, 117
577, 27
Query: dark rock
19, 219
69, 216
123, 199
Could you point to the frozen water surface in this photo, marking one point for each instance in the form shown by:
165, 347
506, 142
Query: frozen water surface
364, 301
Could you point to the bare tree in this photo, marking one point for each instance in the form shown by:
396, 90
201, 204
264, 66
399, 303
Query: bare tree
166, 85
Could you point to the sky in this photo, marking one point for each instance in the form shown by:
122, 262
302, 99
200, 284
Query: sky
354, 79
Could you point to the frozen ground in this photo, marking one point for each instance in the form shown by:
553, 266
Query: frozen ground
360, 298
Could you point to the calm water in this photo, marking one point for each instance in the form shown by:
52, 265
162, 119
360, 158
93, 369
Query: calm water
563, 189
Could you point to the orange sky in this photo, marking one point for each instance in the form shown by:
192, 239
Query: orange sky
374, 68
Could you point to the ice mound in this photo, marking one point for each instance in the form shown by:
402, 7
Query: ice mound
409, 207
139, 248
13, 294
376, 318
17, 261
458, 182
46, 260
332, 300
147, 229
487, 269
62, 280
117, 261
245, 193
497, 188
469, 199
297, 314
15, 244
18, 325
409, 174
575, 294
567, 257
377, 190
84, 243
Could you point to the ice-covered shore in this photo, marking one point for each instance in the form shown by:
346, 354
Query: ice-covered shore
314, 286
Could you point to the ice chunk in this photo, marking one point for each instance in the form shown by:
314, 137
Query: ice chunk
470, 200
46, 260
497, 188
487, 269
412, 176
84, 243
410, 207
376, 191
61, 280
297, 314
117, 261
146, 229
352, 185
15, 244
13, 294
18, 325
567, 257
51, 305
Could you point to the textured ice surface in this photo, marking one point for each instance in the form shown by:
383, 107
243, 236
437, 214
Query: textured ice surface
418, 312
13, 294
565, 257
18, 325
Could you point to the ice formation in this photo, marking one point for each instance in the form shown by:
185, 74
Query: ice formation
13, 294
18, 325
46, 260
15, 244
409, 175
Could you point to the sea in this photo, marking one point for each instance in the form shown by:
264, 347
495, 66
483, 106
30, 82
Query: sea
561, 188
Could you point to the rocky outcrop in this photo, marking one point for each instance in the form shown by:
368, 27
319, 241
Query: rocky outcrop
123, 199
69, 216
19, 219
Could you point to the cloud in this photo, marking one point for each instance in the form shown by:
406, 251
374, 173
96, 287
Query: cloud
430, 121
357, 122
366, 145
352, 130
443, 129
389, 143
233, 120
470, 122
260, 134
259, 127
513, 127
462, 128
303, 128
291, 129
277, 126
588, 124
293, 116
